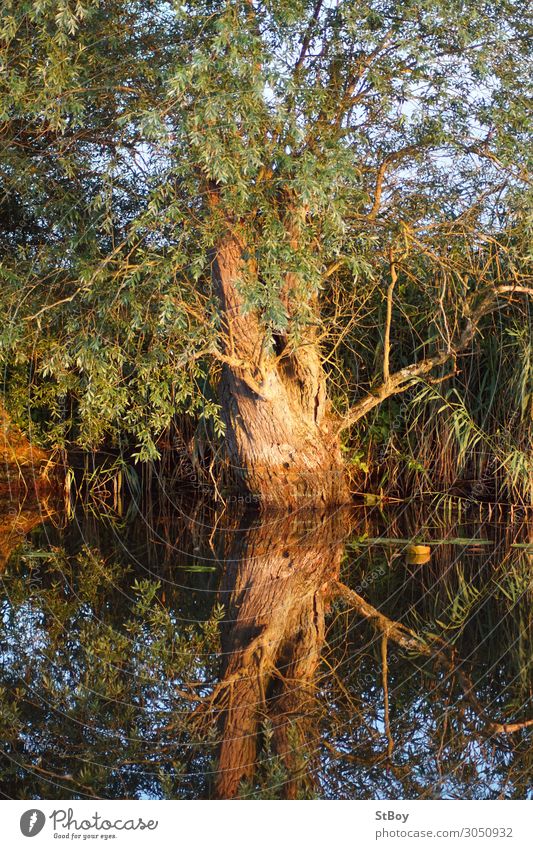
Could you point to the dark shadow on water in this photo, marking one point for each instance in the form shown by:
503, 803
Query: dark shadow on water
189, 653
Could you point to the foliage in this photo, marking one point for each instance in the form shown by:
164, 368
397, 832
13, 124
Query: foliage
334, 140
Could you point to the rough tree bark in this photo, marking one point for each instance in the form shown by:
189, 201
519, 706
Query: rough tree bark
282, 438
280, 432
275, 589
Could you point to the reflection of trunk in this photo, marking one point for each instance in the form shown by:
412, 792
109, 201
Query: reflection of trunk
276, 579
279, 432
16, 523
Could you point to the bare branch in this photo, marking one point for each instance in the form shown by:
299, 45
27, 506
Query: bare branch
442, 654
401, 380
306, 40
388, 319
382, 170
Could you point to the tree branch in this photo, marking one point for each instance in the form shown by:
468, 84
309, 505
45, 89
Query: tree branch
382, 170
306, 40
401, 380
244, 366
439, 651
388, 319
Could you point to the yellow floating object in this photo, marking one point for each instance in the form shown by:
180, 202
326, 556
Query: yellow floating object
418, 549
418, 554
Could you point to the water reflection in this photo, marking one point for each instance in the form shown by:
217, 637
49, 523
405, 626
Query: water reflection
189, 654
16, 521
277, 581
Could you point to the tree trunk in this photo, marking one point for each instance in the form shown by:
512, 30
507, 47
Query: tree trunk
280, 435
275, 588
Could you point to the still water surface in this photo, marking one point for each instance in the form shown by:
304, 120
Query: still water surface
189, 653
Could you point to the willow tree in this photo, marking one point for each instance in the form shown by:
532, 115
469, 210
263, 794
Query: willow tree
65, 149
242, 168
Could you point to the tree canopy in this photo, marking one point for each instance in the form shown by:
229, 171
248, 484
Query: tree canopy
371, 158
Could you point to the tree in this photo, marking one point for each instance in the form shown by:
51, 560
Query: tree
241, 169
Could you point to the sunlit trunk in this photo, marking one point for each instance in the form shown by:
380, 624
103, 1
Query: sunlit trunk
279, 431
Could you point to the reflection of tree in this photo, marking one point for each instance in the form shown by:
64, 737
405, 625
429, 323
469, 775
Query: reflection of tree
458, 633
277, 580
437, 650
17, 522
111, 682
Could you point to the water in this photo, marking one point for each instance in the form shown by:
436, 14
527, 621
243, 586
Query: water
190, 653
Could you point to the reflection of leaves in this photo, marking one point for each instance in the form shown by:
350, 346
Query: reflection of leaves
37, 555
515, 583
462, 598
106, 671
146, 591
95, 671
462, 602
271, 773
